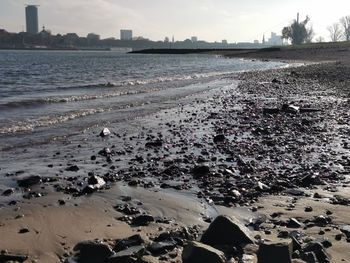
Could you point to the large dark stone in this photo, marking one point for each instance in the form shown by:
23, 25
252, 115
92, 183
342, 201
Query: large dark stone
163, 247
200, 170
142, 220
226, 231
219, 138
92, 252
12, 258
29, 181
275, 252
125, 243
196, 252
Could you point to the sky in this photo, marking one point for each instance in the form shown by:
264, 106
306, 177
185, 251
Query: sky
210, 20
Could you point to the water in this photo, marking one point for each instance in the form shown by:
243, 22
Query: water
45, 94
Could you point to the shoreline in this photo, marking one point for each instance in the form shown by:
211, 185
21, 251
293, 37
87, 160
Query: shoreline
247, 157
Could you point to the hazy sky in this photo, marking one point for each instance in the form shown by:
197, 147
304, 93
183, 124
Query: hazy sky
212, 20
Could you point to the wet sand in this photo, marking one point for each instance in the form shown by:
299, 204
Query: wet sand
255, 153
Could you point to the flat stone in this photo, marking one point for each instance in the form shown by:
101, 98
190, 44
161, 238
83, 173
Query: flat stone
275, 252
196, 252
11, 257
226, 231
29, 181
135, 240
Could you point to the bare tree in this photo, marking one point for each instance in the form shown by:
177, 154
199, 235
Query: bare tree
320, 39
345, 23
335, 32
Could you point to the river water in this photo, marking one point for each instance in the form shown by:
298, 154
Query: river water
47, 94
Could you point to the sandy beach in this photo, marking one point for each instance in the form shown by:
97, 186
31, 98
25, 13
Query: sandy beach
270, 150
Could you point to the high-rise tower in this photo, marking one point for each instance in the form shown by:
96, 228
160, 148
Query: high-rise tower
32, 22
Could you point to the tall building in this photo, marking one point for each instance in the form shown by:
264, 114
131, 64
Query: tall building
125, 34
32, 22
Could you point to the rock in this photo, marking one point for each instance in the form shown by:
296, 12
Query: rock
200, 170
158, 248
73, 168
275, 252
94, 183
29, 181
4, 257
308, 209
293, 223
23, 230
92, 252
196, 252
219, 138
142, 220
154, 144
122, 244
105, 132
129, 255
148, 259
226, 231
8, 192
290, 108
318, 250
346, 230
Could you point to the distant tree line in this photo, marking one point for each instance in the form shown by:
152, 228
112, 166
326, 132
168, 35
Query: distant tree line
45, 39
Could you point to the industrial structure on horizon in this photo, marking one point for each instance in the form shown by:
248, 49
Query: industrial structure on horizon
32, 21
125, 34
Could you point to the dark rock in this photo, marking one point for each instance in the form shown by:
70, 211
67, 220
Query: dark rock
4, 257
122, 244
226, 231
158, 248
8, 192
92, 252
196, 252
142, 220
308, 209
23, 231
154, 144
72, 168
219, 138
29, 181
200, 170
293, 223
271, 252
318, 250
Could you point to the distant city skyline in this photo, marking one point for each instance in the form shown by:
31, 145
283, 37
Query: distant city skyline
210, 20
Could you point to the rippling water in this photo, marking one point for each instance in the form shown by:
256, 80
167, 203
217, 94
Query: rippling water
50, 92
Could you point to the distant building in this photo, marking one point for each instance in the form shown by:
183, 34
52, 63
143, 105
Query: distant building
194, 39
224, 42
275, 40
256, 41
125, 34
32, 23
166, 40
93, 37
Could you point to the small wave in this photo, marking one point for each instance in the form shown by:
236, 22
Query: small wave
31, 124
52, 100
